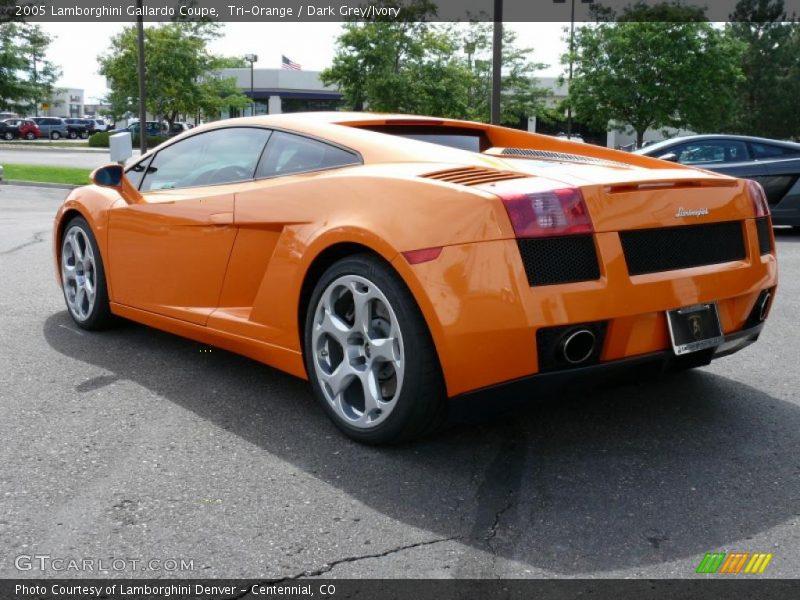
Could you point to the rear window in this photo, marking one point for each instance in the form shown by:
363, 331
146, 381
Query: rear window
462, 138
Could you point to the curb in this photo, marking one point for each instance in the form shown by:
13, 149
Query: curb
32, 147
40, 184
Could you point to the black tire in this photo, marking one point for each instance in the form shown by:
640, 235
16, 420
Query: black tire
55, 135
8, 136
99, 317
421, 404
30, 136
73, 135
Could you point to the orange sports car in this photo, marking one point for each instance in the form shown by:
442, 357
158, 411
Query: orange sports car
401, 263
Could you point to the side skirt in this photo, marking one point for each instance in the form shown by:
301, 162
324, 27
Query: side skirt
280, 358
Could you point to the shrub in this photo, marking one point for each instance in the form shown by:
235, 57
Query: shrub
100, 140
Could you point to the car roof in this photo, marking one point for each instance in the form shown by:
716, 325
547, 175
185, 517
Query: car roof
716, 136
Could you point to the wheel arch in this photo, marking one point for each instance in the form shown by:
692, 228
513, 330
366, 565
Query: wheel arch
339, 250
61, 225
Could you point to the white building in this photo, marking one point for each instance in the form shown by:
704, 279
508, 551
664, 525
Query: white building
67, 102
279, 90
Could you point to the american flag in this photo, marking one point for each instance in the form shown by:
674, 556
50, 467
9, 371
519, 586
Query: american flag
290, 65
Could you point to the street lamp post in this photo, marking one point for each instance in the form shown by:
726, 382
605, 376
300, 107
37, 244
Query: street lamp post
142, 90
571, 54
497, 62
252, 58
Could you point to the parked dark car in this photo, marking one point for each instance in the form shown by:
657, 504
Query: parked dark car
27, 128
772, 163
8, 132
179, 127
154, 128
51, 127
79, 128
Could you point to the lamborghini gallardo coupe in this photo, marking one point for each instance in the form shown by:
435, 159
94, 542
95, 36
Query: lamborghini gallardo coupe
403, 264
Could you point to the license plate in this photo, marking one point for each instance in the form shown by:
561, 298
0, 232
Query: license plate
694, 328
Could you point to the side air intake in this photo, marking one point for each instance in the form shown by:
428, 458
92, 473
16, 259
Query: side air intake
473, 175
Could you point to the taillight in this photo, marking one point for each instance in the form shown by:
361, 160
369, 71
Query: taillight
759, 198
548, 213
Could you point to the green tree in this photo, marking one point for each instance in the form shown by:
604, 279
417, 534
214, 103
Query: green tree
27, 77
643, 74
403, 65
41, 74
520, 95
182, 75
412, 66
769, 90
12, 64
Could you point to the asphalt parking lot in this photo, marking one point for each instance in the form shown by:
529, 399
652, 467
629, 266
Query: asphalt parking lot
137, 444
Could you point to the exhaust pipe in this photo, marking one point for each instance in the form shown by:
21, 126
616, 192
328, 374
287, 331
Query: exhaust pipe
764, 306
578, 346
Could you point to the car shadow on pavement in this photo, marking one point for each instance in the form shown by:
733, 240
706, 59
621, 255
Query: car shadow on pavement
637, 474
787, 234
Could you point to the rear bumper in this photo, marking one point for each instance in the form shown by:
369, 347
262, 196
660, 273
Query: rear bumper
484, 314
491, 399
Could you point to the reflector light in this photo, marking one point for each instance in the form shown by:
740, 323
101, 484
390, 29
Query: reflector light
420, 256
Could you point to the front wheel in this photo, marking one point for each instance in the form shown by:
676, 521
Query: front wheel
369, 354
55, 135
83, 277
73, 135
30, 136
8, 136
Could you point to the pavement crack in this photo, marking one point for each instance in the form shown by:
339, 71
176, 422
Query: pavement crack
38, 237
509, 503
329, 566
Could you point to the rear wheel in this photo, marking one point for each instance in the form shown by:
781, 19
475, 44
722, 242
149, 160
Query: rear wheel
370, 356
30, 136
73, 135
8, 135
83, 277
55, 135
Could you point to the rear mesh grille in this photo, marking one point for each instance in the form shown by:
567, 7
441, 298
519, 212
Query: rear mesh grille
473, 175
764, 241
553, 260
655, 250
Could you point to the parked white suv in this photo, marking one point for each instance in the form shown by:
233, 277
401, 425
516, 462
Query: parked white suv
99, 124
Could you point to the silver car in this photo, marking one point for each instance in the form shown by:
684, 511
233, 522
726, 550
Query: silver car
51, 127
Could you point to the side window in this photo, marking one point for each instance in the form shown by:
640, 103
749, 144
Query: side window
135, 174
710, 152
288, 153
770, 151
211, 158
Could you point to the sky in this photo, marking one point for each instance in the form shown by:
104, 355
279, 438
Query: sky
77, 45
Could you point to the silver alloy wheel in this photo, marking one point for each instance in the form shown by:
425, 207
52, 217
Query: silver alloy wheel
358, 351
78, 273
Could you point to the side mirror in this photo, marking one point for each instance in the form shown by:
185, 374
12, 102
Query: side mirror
108, 176
669, 156
113, 176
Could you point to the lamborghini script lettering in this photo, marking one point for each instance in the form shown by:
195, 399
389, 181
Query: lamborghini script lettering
694, 212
